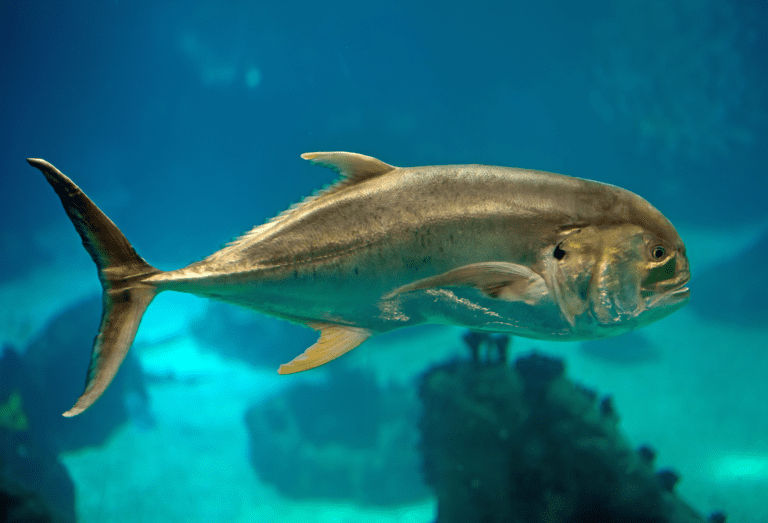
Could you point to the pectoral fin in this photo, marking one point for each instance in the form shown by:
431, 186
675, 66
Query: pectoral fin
334, 341
505, 281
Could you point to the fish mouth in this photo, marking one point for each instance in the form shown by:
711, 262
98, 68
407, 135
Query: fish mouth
676, 296
682, 293
671, 292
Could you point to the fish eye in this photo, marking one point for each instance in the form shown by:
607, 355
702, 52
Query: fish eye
658, 252
559, 253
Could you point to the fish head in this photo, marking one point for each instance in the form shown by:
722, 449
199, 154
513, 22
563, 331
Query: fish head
610, 279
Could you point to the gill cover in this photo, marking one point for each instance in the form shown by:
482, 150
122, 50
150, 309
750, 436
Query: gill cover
599, 271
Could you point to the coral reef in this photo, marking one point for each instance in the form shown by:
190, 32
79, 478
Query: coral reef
347, 440
36, 386
18, 505
499, 343
49, 377
27, 461
525, 444
34, 486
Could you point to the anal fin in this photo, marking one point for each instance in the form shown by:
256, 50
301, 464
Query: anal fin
334, 341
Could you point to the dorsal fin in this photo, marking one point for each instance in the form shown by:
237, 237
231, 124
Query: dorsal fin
352, 166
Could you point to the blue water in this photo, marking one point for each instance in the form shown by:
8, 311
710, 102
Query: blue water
185, 122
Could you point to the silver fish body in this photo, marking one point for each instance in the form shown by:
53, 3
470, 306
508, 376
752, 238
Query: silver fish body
498, 249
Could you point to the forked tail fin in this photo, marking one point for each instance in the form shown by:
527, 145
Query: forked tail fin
121, 272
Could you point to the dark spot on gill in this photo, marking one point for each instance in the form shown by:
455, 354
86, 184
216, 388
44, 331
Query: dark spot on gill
559, 253
661, 273
356, 271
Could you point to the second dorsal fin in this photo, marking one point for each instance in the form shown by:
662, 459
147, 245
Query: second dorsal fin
353, 167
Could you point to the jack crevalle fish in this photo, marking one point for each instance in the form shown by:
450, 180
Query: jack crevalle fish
497, 249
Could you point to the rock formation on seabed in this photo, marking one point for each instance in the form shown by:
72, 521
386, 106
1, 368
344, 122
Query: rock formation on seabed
346, 440
18, 505
524, 444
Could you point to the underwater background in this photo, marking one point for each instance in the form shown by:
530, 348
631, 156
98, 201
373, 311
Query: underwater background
184, 122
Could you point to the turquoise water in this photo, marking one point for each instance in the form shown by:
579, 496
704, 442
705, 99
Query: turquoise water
184, 122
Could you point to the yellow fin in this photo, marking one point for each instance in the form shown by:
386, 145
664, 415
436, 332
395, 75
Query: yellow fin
334, 341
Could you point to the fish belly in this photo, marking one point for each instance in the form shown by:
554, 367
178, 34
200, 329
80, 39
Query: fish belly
350, 289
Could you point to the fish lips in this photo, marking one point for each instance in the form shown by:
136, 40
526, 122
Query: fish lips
681, 296
675, 296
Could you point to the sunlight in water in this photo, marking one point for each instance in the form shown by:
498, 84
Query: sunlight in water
742, 467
